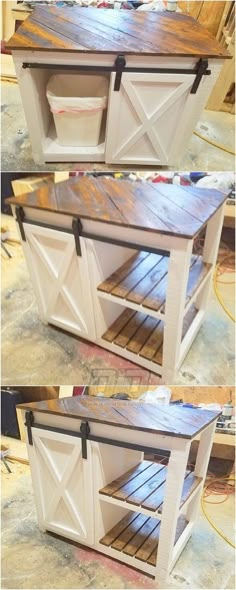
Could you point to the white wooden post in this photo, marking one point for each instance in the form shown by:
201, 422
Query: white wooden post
210, 253
179, 265
201, 466
173, 491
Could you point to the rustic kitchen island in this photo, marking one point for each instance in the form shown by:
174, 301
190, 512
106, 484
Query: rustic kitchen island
114, 262
93, 485
160, 69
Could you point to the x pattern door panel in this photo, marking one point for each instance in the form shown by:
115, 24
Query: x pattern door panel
145, 116
62, 484
60, 279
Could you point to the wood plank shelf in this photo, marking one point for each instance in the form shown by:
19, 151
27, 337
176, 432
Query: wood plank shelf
141, 334
142, 281
137, 535
143, 486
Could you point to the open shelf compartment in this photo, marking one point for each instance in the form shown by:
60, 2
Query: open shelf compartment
47, 140
137, 536
142, 334
143, 487
141, 282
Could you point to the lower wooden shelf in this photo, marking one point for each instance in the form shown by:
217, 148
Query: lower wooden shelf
142, 334
143, 486
137, 535
142, 280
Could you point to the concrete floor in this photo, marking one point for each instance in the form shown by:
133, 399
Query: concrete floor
34, 353
16, 151
31, 559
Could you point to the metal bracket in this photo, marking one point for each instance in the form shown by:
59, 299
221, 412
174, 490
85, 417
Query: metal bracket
120, 64
20, 217
201, 70
77, 229
29, 420
85, 430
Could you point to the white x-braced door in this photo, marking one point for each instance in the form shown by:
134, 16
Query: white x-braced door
147, 116
60, 279
62, 482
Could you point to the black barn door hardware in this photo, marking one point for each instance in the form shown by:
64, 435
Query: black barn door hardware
85, 435
119, 67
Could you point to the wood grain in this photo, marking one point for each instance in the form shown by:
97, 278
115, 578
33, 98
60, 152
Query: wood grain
144, 485
167, 210
84, 30
139, 536
182, 422
143, 280
117, 483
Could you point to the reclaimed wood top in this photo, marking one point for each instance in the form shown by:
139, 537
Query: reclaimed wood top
167, 420
89, 30
160, 208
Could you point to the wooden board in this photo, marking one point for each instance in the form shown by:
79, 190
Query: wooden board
144, 485
138, 536
86, 30
163, 209
141, 334
143, 280
169, 420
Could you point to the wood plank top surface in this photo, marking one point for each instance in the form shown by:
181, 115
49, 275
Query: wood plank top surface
166, 420
159, 208
89, 30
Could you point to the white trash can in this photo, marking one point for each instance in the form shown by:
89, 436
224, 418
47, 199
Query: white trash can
77, 103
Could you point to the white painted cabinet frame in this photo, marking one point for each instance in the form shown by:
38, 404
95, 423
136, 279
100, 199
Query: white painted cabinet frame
66, 485
65, 284
149, 120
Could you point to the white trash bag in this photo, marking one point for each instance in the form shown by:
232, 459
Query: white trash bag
77, 103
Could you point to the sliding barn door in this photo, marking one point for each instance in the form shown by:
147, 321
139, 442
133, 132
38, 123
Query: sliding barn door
60, 279
62, 482
146, 116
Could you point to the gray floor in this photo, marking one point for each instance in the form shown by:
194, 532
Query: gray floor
17, 155
31, 559
34, 353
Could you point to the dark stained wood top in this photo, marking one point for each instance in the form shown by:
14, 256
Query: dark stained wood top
160, 208
167, 420
89, 30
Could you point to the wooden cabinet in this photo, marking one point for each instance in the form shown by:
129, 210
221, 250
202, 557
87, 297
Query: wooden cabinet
160, 79
60, 279
128, 277
92, 483
62, 483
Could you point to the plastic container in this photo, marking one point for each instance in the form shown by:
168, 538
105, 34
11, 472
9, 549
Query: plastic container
77, 103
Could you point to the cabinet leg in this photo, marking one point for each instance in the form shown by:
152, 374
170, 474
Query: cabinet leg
179, 265
201, 466
173, 490
38, 159
42, 528
210, 252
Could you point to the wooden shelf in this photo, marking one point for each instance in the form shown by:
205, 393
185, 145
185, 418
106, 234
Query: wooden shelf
142, 280
143, 486
137, 535
142, 334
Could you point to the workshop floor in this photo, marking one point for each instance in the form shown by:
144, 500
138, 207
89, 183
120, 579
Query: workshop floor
34, 353
31, 559
16, 151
